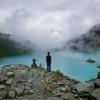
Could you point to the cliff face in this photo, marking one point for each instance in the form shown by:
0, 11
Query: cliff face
9, 47
87, 42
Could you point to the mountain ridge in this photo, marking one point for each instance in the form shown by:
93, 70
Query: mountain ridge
87, 42
10, 47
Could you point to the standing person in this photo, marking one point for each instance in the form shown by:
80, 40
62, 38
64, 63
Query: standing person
48, 61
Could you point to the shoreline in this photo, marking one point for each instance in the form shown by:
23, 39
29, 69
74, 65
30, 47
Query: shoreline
21, 82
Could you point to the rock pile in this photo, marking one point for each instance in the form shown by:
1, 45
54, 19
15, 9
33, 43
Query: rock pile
20, 82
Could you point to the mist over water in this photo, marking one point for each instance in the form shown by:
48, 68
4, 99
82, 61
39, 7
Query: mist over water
48, 23
71, 64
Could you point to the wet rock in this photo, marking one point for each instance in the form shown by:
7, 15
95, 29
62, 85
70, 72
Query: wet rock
12, 94
96, 94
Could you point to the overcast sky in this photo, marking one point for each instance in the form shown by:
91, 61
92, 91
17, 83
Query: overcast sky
48, 22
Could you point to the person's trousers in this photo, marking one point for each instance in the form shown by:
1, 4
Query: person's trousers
49, 67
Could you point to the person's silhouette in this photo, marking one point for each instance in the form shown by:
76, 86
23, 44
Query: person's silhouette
48, 61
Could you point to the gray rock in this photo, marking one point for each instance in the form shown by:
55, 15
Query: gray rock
85, 87
2, 95
97, 83
2, 86
19, 91
71, 98
53, 79
36, 74
12, 94
76, 95
96, 94
10, 74
73, 91
23, 75
31, 91
63, 89
54, 98
68, 88
58, 94
9, 82
21, 85
2, 80
60, 84
27, 87
30, 81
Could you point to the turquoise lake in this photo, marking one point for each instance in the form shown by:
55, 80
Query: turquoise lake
71, 64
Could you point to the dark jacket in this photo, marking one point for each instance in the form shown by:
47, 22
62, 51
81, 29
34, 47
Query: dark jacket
48, 59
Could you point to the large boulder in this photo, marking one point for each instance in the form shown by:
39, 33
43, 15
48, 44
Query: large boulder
10, 74
97, 83
84, 89
19, 91
12, 94
22, 76
2, 95
96, 94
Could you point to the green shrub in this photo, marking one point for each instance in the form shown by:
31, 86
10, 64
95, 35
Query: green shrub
57, 73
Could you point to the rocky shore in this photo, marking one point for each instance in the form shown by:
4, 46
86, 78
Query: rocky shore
21, 82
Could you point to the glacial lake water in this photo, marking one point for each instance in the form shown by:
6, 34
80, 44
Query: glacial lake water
71, 64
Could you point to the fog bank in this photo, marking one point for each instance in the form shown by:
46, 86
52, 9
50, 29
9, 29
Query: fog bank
48, 23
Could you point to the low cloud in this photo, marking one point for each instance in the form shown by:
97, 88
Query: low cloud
48, 23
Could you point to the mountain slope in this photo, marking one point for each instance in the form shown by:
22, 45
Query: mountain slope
9, 47
87, 42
